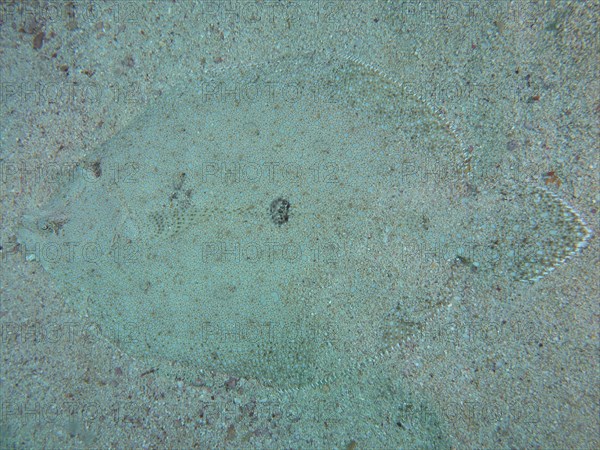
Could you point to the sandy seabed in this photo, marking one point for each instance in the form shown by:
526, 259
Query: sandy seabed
503, 369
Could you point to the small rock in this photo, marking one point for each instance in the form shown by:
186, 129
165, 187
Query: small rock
231, 383
512, 145
230, 433
38, 40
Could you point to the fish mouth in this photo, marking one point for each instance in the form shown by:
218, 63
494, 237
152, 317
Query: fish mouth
50, 222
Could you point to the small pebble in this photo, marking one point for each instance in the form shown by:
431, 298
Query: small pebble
38, 40
231, 383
